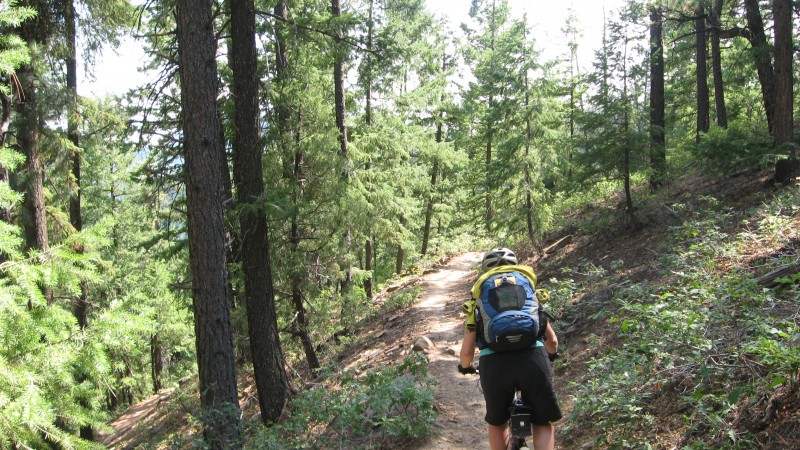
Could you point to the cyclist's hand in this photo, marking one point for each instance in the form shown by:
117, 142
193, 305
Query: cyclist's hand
553, 356
466, 370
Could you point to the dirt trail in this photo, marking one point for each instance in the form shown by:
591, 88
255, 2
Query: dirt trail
459, 401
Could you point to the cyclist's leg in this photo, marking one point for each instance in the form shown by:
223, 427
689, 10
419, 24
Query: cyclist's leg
498, 392
543, 437
498, 437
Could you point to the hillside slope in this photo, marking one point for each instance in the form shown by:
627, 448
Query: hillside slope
677, 333
662, 346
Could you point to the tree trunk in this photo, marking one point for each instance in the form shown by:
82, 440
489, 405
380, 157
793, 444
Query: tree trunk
268, 362
488, 211
527, 170
156, 362
75, 215
784, 114
716, 64
80, 301
302, 330
368, 122
782, 13
763, 60
401, 253
341, 124
213, 332
701, 52
626, 133
426, 232
232, 242
658, 156
5, 122
293, 167
34, 214
338, 87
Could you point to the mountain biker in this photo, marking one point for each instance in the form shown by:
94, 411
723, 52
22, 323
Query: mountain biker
501, 373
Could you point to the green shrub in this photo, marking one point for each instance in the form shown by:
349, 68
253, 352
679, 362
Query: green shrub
375, 409
736, 147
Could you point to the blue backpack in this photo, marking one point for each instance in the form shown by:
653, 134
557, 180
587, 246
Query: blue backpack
507, 313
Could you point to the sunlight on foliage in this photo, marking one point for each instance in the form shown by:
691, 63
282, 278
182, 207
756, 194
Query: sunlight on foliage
709, 345
359, 411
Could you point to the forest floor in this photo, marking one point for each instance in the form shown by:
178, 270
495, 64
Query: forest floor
434, 325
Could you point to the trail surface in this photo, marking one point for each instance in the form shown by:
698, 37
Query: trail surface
459, 402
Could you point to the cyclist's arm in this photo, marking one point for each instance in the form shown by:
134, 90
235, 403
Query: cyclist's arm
551, 340
468, 348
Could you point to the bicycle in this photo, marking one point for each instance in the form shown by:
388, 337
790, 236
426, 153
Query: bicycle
519, 424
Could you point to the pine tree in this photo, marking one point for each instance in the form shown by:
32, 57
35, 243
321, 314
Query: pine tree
216, 362
267, 356
615, 132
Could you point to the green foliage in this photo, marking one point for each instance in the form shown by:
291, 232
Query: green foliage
42, 352
713, 341
508, 126
736, 147
392, 405
13, 50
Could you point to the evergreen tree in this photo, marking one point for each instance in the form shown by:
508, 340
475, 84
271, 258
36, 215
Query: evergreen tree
265, 346
216, 362
513, 121
658, 157
784, 84
614, 125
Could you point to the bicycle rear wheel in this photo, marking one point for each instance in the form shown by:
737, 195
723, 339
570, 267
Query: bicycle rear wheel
517, 443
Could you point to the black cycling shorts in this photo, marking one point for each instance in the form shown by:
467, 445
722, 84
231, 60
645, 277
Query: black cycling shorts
527, 370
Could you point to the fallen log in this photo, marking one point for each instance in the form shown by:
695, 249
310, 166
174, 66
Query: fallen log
558, 244
770, 280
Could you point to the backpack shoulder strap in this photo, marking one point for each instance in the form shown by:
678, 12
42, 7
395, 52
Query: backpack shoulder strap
527, 271
469, 310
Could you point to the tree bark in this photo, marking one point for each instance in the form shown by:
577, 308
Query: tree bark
156, 362
784, 83
658, 156
34, 214
368, 122
763, 60
701, 54
5, 122
267, 357
341, 124
426, 232
80, 301
338, 86
782, 14
716, 64
213, 331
